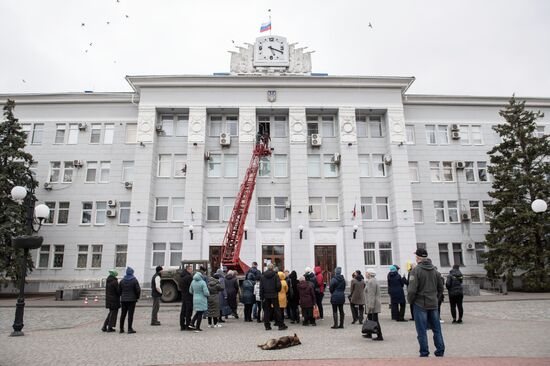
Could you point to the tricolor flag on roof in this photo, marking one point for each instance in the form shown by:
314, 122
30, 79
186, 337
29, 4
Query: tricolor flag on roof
265, 27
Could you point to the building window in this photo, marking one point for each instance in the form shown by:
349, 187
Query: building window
213, 209
439, 207
480, 249
442, 134
96, 255
215, 126
330, 168
279, 204
58, 256
448, 172
469, 171
430, 135
361, 126
228, 203
274, 254
72, 139
124, 212
452, 211
82, 256
264, 208
280, 169
470, 135
386, 258
382, 208
182, 125
63, 213
487, 215
37, 132
104, 171
161, 209
222, 123
474, 212
91, 171
476, 135
265, 167
409, 135
121, 252
127, 171
444, 255
68, 168
378, 165
44, 256
33, 169
175, 254
482, 171
167, 121
95, 133
87, 209
315, 208
109, 133
457, 254
177, 208
539, 132
215, 166
328, 126
100, 212
370, 253
367, 208
279, 126
313, 165
165, 165
376, 127
159, 251
230, 165
131, 133
332, 208
26, 129
325, 124
476, 171
55, 171
180, 165
435, 174
413, 171
60, 134
51, 217
418, 212
442, 171
232, 125
364, 165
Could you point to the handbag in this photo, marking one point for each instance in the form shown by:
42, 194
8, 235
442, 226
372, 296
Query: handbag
316, 314
369, 326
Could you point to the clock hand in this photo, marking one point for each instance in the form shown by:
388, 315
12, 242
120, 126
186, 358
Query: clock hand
274, 49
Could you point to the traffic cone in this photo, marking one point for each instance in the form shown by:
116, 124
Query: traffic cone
85, 301
95, 299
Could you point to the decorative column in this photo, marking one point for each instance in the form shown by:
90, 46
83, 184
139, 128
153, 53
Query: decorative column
404, 242
143, 201
299, 193
351, 192
194, 185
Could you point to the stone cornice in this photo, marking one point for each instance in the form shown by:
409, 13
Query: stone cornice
467, 100
70, 98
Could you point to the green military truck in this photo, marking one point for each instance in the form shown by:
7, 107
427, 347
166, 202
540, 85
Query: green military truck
170, 279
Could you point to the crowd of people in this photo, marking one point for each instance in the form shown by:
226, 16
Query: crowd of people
273, 296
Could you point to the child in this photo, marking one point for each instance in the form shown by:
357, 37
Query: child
307, 300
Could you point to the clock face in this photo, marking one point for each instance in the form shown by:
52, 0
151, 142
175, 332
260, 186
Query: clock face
271, 51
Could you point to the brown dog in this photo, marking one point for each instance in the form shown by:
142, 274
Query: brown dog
283, 342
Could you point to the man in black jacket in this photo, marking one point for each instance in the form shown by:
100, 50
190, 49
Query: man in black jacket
424, 290
186, 298
456, 293
270, 285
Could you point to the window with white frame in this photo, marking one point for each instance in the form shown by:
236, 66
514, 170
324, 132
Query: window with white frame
370, 253
97, 253
124, 212
230, 166
215, 126
161, 208
435, 174
167, 121
95, 133
418, 212
332, 208
475, 216
131, 133
471, 135
44, 256
72, 138
330, 168
367, 208
33, 168
177, 208
444, 255
280, 166
279, 124
448, 171
55, 171
128, 171
228, 203
469, 171
232, 125
37, 133
464, 134
439, 207
104, 171
476, 171
379, 167
223, 123
265, 167
279, 206
82, 256
58, 256
482, 171
264, 208
121, 252
182, 125
376, 127
385, 250
91, 171
323, 124
314, 165
487, 215
100, 212
315, 208
480, 250
60, 169
109, 133
159, 253
452, 212
63, 213
51, 217
180, 165
437, 134
457, 254
164, 165
361, 126
176, 250
68, 169
442, 171
413, 171
382, 209
215, 166
60, 133
431, 136
213, 209
87, 211
364, 165
477, 138
409, 135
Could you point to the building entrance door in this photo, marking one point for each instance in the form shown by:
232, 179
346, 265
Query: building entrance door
214, 257
325, 257
273, 254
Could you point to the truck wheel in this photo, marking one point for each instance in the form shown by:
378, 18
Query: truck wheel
169, 292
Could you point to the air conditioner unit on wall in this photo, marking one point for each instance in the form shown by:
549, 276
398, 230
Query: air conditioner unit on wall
316, 139
225, 139
158, 127
336, 158
82, 126
465, 217
454, 127
460, 165
470, 246
48, 186
128, 185
387, 159
111, 203
78, 163
111, 213
455, 135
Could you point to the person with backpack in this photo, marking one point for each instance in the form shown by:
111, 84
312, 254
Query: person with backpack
456, 293
397, 295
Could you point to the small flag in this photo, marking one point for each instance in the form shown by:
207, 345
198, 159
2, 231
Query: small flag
265, 27
354, 210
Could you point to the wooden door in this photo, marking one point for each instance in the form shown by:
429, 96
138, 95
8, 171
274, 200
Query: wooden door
325, 257
214, 257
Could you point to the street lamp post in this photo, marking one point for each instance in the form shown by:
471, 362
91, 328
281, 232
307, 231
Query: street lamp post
26, 242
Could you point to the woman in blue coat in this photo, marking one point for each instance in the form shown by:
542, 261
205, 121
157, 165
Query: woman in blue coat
200, 293
397, 295
337, 298
248, 298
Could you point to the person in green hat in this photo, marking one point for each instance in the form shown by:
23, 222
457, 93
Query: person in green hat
112, 301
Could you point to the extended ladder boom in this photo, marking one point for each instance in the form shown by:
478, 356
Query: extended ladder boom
231, 246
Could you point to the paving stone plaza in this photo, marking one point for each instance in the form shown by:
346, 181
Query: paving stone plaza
72, 336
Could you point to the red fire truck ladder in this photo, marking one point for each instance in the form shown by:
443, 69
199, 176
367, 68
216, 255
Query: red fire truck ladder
231, 246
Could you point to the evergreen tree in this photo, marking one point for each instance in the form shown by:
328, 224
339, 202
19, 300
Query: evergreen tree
518, 238
14, 171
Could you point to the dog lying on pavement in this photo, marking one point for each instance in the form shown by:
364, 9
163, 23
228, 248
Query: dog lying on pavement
283, 342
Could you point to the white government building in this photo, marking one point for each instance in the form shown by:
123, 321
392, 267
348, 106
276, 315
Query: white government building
129, 176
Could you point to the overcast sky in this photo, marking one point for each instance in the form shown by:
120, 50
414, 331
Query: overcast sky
489, 47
